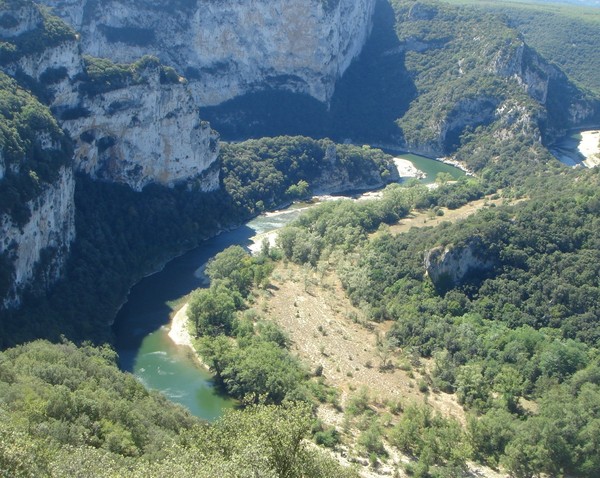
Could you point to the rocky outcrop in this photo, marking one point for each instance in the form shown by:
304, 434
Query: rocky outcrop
35, 48
541, 80
36, 194
141, 134
451, 265
485, 76
43, 243
230, 48
336, 177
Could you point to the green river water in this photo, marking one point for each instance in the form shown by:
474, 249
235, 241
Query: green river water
141, 326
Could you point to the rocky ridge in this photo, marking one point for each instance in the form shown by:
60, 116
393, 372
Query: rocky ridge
137, 134
497, 80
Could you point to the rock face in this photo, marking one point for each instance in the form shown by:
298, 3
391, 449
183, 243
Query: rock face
142, 134
335, 178
485, 81
52, 59
449, 266
229, 48
541, 81
18, 19
137, 134
42, 245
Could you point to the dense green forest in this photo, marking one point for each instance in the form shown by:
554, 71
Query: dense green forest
68, 411
524, 327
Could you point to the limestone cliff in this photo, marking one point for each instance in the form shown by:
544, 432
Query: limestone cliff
36, 194
336, 177
37, 221
143, 133
451, 265
38, 46
566, 106
39, 248
229, 48
473, 70
144, 129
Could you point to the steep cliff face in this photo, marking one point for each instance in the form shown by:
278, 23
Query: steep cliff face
566, 105
230, 48
144, 133
17, 19
38, 46
41, 245
143, 130
36, 194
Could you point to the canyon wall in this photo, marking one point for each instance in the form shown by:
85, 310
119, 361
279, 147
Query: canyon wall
226, 49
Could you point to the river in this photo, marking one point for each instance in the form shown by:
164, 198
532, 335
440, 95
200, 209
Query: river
140, 327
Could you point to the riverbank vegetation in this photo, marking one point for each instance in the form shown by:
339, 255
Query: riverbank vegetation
68, 411
509, 347
123, 235
248, 356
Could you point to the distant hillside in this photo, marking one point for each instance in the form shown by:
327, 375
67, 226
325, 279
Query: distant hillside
566, 35
586, 3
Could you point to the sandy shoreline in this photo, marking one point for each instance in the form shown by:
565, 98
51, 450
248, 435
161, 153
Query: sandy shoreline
589, 147
406, 169
179, 332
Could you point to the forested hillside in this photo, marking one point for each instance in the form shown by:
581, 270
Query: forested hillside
518, 325
123, 234
68, 411
492, 320
565, 35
